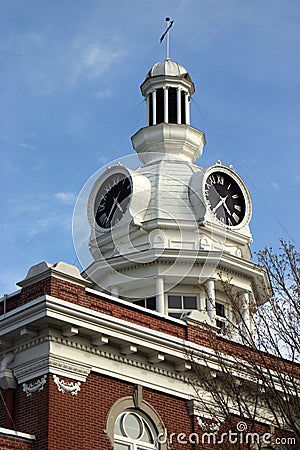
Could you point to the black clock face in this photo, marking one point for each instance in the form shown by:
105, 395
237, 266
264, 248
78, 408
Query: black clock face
225, 198
112, 200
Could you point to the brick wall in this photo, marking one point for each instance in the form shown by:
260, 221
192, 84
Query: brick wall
78, 422
10, 443
76, 294
31, 414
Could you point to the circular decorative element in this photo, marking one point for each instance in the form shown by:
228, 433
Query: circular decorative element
226, 197
112, 199
132, 426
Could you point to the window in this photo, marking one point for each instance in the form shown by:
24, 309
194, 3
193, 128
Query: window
220, 309
134, 431
178, 304
221, 324
172, 107
149, 303
150, 109
220, 317
183, 118
160, 110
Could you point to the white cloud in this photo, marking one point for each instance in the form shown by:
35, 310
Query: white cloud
92, 60
275, 185
26, 146
105, 93
68, 198
297, 179
47, 64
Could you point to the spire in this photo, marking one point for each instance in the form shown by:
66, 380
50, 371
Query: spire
166, 34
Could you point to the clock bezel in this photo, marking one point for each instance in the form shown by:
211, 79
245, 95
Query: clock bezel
94, 198
116, 178
246, 196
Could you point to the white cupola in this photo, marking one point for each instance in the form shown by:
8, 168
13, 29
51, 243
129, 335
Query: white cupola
167, 89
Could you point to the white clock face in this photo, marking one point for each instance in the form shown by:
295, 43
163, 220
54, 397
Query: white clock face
112, 200
225, 198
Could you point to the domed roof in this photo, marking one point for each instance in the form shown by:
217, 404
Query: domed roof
168, 68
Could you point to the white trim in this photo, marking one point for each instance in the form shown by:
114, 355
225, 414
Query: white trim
121, 329
53, 308
133, 305
17, 434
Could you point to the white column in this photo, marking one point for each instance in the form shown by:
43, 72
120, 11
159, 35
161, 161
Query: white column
178, 105
187, 109
160, 295
211, 302
166, 103
246, 315
148, 109
154, 106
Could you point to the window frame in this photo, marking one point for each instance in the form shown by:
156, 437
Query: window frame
136, 444
174, 312
125, 403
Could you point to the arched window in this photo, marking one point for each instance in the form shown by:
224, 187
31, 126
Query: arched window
134, 431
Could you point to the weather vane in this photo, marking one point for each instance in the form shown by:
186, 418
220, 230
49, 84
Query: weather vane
169, 24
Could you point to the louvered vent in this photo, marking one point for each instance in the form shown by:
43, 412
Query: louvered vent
172, 110
150, 109
183, 114
159, 105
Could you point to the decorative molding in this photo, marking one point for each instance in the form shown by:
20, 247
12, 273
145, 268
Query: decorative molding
32, 369
70, 369
121, 405
109, 354
137, 395
45, 364
36, 386
65, 386
77, 370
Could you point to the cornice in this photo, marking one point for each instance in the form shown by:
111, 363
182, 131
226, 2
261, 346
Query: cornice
116, 356
94, 323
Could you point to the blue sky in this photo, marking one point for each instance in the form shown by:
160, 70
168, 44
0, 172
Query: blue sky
70, 101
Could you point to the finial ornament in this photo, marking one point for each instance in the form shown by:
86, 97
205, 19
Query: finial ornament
169, 24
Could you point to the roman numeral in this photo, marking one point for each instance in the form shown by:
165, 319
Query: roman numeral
100, 207
228, 187
235, 217
229, 221
103, 218
235, 196
220, 179
237, 207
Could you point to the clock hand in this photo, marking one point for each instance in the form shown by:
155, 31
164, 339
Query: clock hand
221, 202
120, 207
226, 207
112, 210
218, 205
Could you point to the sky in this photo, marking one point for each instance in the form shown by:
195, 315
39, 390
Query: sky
70, 101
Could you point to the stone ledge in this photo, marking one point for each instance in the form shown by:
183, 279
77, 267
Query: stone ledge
16, 434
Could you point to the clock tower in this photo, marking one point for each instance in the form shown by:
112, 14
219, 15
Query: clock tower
144, 341
168, 233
